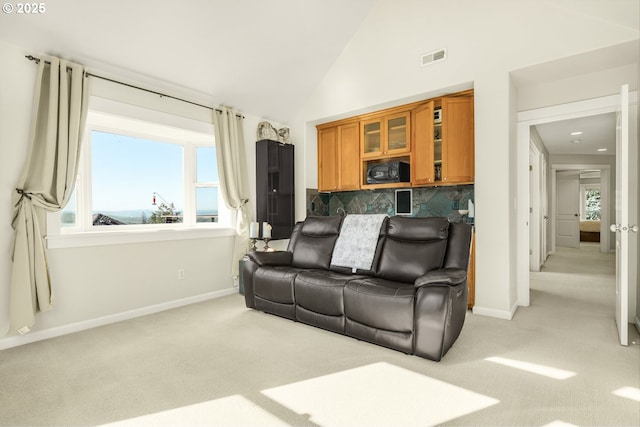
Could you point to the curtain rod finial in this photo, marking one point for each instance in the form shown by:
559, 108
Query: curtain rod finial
32, 58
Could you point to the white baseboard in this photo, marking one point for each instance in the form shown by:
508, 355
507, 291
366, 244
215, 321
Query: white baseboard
492, 312
18, 340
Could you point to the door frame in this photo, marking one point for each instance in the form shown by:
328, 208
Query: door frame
605, 179
526, 119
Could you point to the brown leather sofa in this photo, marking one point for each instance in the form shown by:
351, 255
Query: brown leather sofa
414, 298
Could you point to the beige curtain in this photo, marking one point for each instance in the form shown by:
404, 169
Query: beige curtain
232, 171
47, 181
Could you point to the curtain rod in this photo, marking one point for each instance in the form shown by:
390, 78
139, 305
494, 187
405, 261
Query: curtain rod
88, 74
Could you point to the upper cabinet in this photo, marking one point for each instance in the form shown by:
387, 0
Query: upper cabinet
433, 139
386, 135
443, 141
424, 165
339, 157
457, 140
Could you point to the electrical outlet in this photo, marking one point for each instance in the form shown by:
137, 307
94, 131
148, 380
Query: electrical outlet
181, 274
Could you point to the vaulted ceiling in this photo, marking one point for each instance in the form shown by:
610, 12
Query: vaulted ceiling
260, 57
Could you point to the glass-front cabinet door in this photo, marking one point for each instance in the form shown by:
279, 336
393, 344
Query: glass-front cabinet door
384, 136
397, 134
372, 138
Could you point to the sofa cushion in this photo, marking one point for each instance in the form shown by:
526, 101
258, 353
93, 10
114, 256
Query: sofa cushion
275, 284
379, 303
312, 243
418, 229
322, 291
320, 226
412, 247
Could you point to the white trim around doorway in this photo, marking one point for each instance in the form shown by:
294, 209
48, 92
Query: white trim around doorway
525, 120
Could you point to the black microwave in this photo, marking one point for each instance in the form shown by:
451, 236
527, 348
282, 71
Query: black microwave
382, 173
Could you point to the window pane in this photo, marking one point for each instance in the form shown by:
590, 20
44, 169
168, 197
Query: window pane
593, 204
68, 213
206, 164
126, 174
207, 204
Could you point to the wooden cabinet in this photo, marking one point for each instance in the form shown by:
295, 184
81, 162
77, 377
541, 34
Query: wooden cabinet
457, 140
471, 273
275, 186
423, 153
386, 135
443, 142
339, 157
435, 136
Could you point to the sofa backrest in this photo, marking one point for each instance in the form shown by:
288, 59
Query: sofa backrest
412, 247
312, 241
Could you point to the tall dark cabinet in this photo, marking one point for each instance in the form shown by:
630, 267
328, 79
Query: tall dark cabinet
275, 195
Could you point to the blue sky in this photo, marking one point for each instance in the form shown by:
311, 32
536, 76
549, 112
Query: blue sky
126, 171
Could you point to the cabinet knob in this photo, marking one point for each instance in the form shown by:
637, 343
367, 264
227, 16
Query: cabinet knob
444, 179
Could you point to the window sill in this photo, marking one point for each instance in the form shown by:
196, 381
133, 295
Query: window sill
121, 237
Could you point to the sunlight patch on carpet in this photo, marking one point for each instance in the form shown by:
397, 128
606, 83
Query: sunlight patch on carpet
559, 423
547, 371
380, 394
228, 411
632, 393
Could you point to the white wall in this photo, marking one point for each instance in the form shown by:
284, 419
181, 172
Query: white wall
588, 85
380, 67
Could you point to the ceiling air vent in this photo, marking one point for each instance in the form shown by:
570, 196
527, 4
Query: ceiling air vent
433, 57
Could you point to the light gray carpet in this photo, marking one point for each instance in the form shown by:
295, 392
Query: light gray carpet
218, 363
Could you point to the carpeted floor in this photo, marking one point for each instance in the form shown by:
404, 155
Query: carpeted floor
217, 363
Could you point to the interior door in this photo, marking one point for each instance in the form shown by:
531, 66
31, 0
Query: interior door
545, 212
532, 236
621, 227
534, 211
568, 213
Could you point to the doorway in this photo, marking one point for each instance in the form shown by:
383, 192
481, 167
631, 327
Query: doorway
527, 121
563, 172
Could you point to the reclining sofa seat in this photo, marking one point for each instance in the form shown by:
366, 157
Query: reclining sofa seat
413, 299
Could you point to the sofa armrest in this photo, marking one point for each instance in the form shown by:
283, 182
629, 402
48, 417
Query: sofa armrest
271, 258
443, 276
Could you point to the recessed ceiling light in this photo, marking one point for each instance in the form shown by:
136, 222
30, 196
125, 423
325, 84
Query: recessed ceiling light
576, 133
576, 141
602, 149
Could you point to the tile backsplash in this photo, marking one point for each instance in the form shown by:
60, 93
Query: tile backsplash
427, 202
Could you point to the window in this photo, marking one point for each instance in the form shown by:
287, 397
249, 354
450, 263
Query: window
142, 175
590, 202
135, 180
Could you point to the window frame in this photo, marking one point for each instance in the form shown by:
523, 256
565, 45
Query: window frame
129, 120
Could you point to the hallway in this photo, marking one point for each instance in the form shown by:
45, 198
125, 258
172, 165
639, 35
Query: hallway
578, 286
